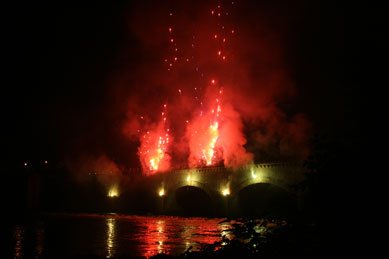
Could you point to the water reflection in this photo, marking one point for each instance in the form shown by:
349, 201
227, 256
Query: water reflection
28, 243
174, 235
39, 242
111, 236
19, 241
154, 240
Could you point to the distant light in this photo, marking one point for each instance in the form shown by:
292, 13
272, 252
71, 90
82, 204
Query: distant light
25, 163
46, 162
113, 193
188, 178
226, 192
161, 192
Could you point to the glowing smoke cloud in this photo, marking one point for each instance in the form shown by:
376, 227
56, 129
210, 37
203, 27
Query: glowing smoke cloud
154, 146
220, 81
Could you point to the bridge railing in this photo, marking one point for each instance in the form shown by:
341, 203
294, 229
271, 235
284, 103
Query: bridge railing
245, 167
222, 169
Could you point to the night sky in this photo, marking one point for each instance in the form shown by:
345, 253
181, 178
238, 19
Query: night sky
66, 96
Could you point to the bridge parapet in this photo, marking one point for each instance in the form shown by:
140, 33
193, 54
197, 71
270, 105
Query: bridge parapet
219, 178
225, 184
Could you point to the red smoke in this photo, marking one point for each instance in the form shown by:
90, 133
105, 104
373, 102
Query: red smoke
223, 77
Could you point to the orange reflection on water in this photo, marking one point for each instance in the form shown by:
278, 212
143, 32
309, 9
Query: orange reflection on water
156, 240
111, 236
19, 240
174, 235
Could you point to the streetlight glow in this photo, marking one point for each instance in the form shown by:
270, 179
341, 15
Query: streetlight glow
253, 174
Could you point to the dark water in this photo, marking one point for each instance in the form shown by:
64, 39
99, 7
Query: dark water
112, 235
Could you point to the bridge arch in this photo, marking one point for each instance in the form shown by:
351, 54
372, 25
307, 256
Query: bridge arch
194, 201
225, 187
202, 198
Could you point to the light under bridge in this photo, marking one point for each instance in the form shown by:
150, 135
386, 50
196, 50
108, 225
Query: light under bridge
253, 189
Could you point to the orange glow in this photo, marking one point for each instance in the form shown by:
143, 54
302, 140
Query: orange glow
113, 192
209, 151
204, 132
212, 137
226, 192
154, 145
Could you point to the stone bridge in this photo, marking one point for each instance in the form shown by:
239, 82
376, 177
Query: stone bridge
224, 188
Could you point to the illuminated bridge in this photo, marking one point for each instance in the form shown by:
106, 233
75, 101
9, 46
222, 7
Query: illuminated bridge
260, 189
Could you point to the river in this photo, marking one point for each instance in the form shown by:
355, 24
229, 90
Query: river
112, 235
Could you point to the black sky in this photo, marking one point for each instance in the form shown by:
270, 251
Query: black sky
62, 54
